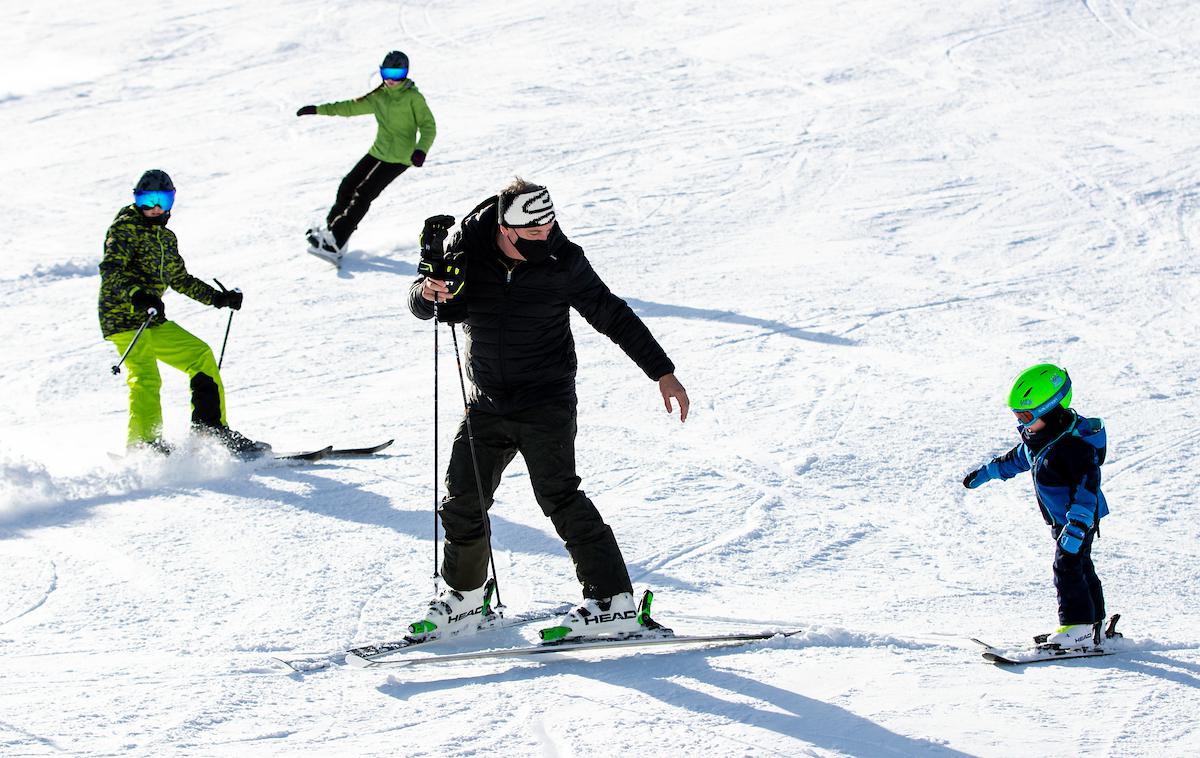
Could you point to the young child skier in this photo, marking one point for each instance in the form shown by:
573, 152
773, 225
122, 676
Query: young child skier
1064, 451
400, 112
141, 260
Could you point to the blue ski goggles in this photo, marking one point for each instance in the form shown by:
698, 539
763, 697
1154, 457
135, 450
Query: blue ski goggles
393, 74
163, 199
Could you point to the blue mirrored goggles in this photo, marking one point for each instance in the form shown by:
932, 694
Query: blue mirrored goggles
393, 74
163, 199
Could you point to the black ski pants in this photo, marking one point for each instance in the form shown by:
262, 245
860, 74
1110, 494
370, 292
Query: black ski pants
545, 438
1080, 596
369, 177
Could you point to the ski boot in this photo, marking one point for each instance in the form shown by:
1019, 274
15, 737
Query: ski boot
1079, 636
157, 445
615, 617
454, 612
322, 244
1070, 637
237, 443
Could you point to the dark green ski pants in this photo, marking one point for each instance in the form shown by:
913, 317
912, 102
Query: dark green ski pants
545, 438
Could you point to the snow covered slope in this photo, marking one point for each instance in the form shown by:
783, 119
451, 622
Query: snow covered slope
850, 223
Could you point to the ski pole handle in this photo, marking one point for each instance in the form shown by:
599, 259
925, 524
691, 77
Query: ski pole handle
150, 314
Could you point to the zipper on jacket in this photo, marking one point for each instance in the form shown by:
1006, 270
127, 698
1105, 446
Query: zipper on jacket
503, 339
162, 255
509, 270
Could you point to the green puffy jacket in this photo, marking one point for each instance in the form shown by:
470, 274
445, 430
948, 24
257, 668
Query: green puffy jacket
141, 255
400, 112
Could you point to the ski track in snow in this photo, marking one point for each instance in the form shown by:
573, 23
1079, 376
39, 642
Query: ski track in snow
849, 226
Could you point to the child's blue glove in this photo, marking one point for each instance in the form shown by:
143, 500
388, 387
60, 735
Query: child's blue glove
1070, 539
982, 474
1079, 520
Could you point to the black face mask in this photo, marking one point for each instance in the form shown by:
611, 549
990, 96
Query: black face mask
157, 220
536, 251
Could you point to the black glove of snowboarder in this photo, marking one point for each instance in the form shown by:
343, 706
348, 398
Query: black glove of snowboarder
308, 110
144, 301
227, 298
418, 158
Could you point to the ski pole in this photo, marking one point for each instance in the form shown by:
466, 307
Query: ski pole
487, 522
435, 444
228, 324
152, 313
225, 341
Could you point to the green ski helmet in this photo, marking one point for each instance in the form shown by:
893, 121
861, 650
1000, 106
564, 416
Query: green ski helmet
1037, 390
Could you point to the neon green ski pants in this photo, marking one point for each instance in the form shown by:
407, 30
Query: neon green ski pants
174, 346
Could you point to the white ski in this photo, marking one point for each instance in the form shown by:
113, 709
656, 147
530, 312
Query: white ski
575, 646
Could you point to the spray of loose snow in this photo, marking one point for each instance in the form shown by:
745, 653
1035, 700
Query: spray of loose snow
28, 488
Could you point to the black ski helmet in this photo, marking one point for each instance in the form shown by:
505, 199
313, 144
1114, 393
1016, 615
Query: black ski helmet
394, 59
155, 180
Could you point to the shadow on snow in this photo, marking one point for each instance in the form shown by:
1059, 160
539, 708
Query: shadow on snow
663, 676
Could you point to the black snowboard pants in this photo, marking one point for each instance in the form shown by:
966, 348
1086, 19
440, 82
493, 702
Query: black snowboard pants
545, 438
1080, 596
369, 177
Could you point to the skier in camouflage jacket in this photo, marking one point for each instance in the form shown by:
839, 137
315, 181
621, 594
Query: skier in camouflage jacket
141, 261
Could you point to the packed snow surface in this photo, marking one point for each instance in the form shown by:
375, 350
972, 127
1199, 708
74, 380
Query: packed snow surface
849, 223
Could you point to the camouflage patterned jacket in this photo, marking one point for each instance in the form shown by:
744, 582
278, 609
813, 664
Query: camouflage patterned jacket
141, 255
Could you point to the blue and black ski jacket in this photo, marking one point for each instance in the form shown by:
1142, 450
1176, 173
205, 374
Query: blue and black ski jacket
1065, 459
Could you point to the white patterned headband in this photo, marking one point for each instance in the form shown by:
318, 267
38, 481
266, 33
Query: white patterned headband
530, 208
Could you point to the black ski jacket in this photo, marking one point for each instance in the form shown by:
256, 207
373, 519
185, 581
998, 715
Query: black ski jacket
516, 318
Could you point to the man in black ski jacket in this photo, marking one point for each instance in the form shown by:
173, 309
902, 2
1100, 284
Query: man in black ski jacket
511, 276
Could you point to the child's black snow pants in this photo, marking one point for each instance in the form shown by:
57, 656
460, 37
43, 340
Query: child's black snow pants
1080, 596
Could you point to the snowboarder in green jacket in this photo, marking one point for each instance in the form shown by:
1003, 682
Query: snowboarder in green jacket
141, 261
401, 113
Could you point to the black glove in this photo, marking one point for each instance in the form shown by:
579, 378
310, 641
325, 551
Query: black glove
228, 299
449, 272
433, 237
144, 301
418, 158
308, 110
